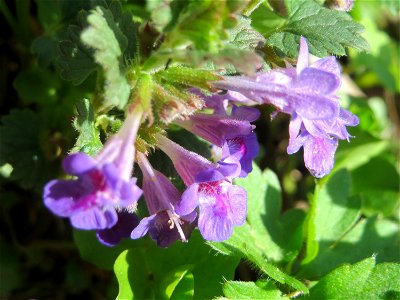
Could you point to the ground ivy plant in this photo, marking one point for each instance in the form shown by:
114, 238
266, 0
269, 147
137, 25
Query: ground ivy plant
157, 112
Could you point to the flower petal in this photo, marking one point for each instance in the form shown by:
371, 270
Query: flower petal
170, 192
296, 143
302, 60
229, 168
295, 125
189, 201
328, 64
313, 81
60, 196
144, 225
315, 107
238, 97
111, 175
78, 163
122, 229
237, 204
319, 155
129, 193
241, 149
245, 113
213, 225
348, 119
211, 174
94, 218
164, 234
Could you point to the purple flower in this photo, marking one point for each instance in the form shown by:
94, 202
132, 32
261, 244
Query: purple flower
319, 139
308, 91
318, 152
334, 127
103, 184
219, 102
242, 149
309, 94
164, 225
234, 133
122, 229
221, 204
188, 164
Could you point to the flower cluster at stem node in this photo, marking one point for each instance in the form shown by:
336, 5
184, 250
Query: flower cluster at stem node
103, 194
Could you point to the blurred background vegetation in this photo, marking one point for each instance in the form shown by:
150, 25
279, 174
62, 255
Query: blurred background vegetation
38, 257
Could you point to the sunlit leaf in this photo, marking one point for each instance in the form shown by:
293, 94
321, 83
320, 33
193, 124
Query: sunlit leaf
363, 280
327, 31
252, 290
144, 270
102, 38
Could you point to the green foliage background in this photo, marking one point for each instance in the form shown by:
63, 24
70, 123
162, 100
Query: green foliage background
68, 68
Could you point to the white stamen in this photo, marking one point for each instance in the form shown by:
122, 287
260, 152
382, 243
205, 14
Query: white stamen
174, 219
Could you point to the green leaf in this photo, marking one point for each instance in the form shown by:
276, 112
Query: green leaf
378, 183
368, 237
46, 50
278, 242
244, 36
385, 202
252, 290
327, 31
37, 86
89, 137
332, 213
384, 56
96, 253
363, 280
179, 283
372, 115
265, 21
141, 270
287, 43
201, 23
359, 151
69, 10
75, 61
20, 145
266, 236
108, 54
124, 29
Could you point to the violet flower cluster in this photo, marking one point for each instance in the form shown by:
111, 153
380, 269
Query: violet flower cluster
102, 195
308, 93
